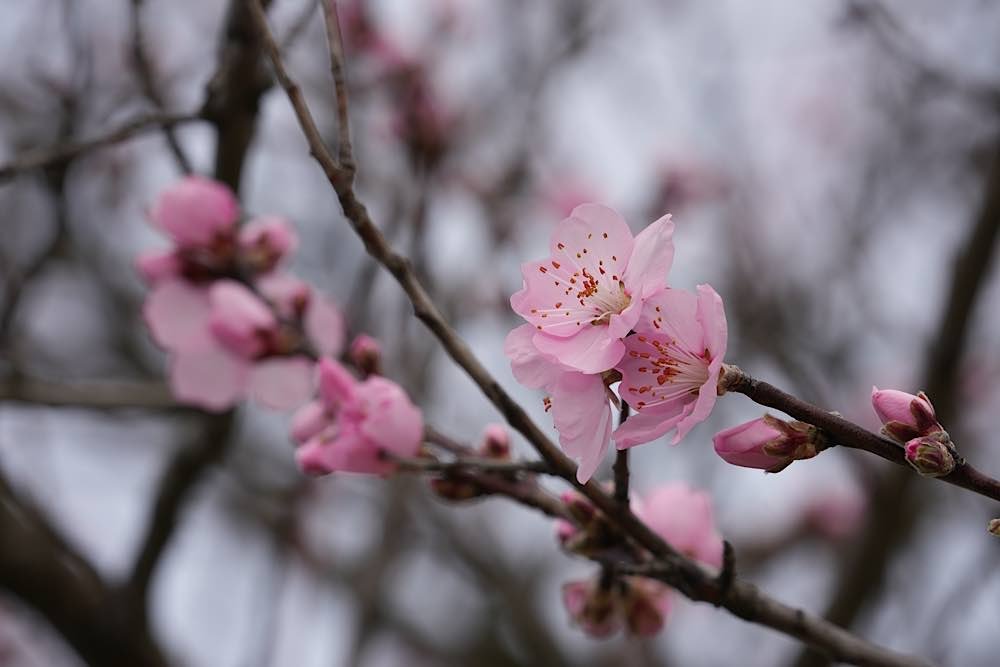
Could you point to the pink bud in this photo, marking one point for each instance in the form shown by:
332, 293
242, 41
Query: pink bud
495, 442
265, 242
767, 443
156, 265
196, 211
904, 416
288, 295
240, 320
930, 456
366, 354
309, 421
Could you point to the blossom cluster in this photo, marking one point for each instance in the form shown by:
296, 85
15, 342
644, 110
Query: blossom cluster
598, 309
236, 324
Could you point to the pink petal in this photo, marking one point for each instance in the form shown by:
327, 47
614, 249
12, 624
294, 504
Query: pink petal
337, 386
651, 259
239, 318
324, 325
177, 314
211, 377
673, 313
742, 445
702, 407
712, 315
392, 422
195, 210
351, 451
683, 517
309, 420
590, 351
155, 266
282, 383
288, 295
649, 424
582, 415
266, 241
530, 367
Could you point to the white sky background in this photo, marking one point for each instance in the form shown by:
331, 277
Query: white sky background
774, 96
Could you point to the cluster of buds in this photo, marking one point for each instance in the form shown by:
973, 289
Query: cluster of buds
494, 444
604, 605
768, 443
910, 420
589, 532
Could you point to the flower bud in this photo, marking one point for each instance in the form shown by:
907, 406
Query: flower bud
240, 320
904, 416
994, 527
930, 456
366, 354
495, 443
196, 212
767, 443
265, 242
156, 265
593, 607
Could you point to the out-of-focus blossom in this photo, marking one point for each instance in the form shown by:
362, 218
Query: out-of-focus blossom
196, 212
904, 416
588, 294
580, 404
671, 370
930, 455
495, 442
265, 242
154, 266
356, 424
603, 607
767, 443
564, 196
835, 513
683, 517
687, 184
366, 354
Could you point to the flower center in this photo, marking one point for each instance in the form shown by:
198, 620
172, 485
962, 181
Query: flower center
607, 298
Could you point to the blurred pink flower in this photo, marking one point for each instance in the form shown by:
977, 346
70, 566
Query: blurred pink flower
835, 513
671, 372
602, 608
494, 443
222, 342
156, 265
588, 294
299, 303
683, 517
564, 196
366, 354
264, 242
353, 423
196, 212
580, 405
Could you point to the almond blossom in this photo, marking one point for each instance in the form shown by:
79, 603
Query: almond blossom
581, 409
588, 294
671, 370
353, 425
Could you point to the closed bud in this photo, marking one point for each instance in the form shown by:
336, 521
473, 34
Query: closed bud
366, 354
768, 443
930, 456
495, 442
994, 527
265, 242
905, 416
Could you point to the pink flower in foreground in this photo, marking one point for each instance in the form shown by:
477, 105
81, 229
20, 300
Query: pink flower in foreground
904, 416
671, 371
588, 294
353, 424
196, 211
767, 443
225, 344
683, 517
580, 404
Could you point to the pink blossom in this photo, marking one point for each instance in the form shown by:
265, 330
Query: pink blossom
495, 442
905, 416
366, 354
671, 371
217, 339
588, 294
357, 424
580, 404
767, 443
156, 265
196, 211
683, 517
265, 242
317, 316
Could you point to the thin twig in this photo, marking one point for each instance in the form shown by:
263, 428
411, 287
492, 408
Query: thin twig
620, 468
104, 395
46, 157
849, 434
478, 465
336, 47
690, 578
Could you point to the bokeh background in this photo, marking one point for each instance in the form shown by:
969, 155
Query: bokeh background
832, 170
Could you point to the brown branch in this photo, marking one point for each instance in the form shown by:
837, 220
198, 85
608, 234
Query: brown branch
335, 41
476, 465
846, 433
104, 395
689, 577
57, 155
620, 467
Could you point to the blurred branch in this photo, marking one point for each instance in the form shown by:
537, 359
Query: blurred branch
110, 395
57, 155
476, 465
45, 572
849, 434
147, 83
684, 574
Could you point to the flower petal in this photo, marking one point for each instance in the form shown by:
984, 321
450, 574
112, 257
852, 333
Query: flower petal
282, 383
592, 350
582, 415
177, 314
195, 210
210, 377
651, 258
324, 324
531, 368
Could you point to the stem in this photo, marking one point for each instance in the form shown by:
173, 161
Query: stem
621, 471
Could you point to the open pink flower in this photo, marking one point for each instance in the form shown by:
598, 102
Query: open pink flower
683, 517
196, 211
353, 424
588, 294
223, 342
580, 404
671, 371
